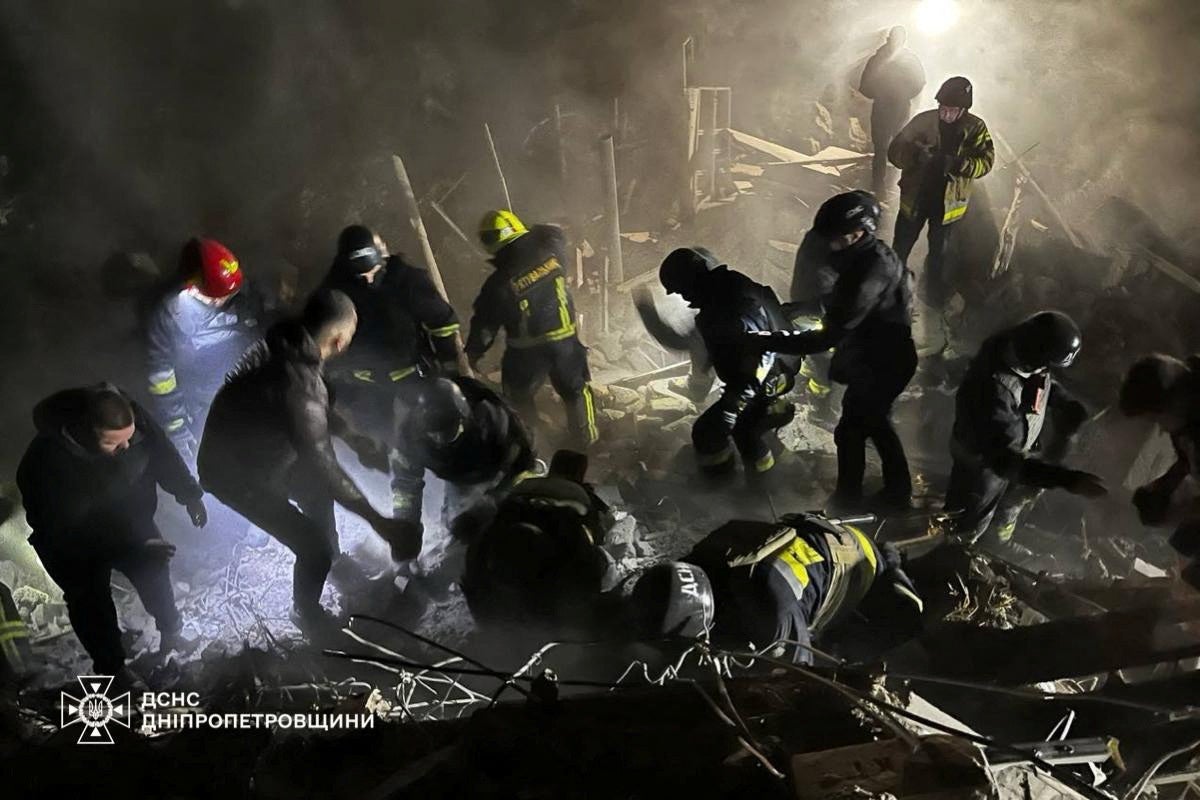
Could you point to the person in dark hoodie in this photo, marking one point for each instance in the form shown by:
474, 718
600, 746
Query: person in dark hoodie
868, 323
268, 443
891, 79
89, 482
527, 296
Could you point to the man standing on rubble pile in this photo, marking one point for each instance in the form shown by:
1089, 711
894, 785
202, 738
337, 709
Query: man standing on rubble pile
527, 296
89, 482
940, 153
1167, 391
1008, 393
892, 79
868, 323
268, 444
752, 401
405, 329
778, 586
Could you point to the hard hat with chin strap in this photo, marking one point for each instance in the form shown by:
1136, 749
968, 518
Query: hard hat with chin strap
500, 227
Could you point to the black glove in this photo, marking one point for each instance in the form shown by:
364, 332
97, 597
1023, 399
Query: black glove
198, 513
951, 165
160, 548
1152, 504
371, 454
403, 536
1085, 484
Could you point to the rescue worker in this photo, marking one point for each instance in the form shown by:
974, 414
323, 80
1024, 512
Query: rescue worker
868, 323
536, 559
195, 334
89, 482
1000, 410
405, 329
751, 403
891, 80
527, 296
1166, 391
940, 153
268, 444
779, 586
813, 279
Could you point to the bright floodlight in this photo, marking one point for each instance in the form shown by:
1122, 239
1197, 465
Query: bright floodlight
936, 16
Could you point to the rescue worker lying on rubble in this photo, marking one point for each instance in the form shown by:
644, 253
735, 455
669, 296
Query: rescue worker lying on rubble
405, 329
527, 296
536, 559
752, 401
1004, 400
89, 482
1167, 391
268, 445
868, 323
465, 434
777, 586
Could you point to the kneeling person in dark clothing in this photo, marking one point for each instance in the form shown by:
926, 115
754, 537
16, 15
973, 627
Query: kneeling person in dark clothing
267, 445
1000, 409
89, 484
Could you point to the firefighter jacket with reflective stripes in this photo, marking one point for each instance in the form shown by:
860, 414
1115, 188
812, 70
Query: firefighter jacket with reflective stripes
494, 447
999, 415
917, 149
526, 296
403, 323
16, 655
190, 345
81, 502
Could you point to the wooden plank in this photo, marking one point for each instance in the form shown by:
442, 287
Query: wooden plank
776, 151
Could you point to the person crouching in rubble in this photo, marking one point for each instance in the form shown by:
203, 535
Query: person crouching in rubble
1167, 391
778, 586
868, 323
267, 444
751, 403
1007, 394
465, 434
89, 482
536, 560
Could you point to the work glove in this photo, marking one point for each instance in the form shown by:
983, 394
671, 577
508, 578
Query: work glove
159, 548
951, 165
404, 536
1085, 484
1152, 504
371, 454
197, 512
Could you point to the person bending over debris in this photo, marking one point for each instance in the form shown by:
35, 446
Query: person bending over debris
1000, 409
751, 403
89, 482
527, 296
868, 322
778, 585
536, 559
405, 329
1167, 391
267, 444
465, 434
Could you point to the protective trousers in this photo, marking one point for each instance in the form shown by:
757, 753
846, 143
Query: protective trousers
524, 368
370, 399
934, 280
988, 506
746, 418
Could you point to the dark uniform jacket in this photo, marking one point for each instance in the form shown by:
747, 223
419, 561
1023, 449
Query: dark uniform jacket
526, 296
81, 502
275, 412
402, 322
891, 78
999, 416
191, 345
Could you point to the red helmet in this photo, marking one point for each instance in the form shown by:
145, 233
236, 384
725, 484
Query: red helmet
211, 267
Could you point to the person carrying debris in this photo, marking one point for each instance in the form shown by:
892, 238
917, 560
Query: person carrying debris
752, 400
89, 482
536, 558
940, 153
405, 329
527, 296
1167, 391
267, 445
891, 80
868, 323
465, 434
778, 586
1001, 407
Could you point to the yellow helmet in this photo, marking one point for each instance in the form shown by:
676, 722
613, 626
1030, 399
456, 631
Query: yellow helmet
500, 227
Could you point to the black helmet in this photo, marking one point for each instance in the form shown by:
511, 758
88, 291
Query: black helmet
1148, 383
358, 249
1047, 339
673, 599
956, 92
846, 213
441, 411
682, 268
